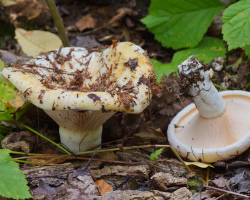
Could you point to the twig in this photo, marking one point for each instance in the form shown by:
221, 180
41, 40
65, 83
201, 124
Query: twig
58, 22
227, 191
125, 148
221, 196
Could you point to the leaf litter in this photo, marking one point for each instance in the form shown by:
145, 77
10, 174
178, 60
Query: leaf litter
146, 128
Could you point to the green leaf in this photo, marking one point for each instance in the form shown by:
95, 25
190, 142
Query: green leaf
155, 155
208, 49
12, 180
7, 115
182, 23
1, 64
236, 27
247, 50
161, 69
7, 91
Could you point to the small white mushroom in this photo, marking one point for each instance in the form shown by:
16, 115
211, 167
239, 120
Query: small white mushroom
217, 125
80, 89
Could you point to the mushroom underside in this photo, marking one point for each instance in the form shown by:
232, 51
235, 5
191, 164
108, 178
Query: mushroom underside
213, 139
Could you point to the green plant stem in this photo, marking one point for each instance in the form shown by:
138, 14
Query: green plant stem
58, 22
125, 148
22, 161
32, 130
22, 153
218, 86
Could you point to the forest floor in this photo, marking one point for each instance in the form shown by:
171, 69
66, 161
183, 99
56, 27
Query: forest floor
122, 173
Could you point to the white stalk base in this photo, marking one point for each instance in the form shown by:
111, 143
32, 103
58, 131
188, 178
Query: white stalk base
78, 141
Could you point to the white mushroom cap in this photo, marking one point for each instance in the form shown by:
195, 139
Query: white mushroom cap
74, 78
80, 89
211, 129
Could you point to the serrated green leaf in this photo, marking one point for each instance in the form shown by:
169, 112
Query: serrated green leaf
161, 69
7, 115
208, 49
247, 50
155, 155
236, 27
12, 180
182, 23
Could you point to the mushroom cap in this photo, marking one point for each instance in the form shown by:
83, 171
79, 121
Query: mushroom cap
117, 79
213, 139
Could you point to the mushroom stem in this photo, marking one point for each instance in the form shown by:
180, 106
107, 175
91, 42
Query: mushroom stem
80, 131
207, 99
78, 141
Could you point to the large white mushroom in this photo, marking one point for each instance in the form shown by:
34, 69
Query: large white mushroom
217, 125
80, 89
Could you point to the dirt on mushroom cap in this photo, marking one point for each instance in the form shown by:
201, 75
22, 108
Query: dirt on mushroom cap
118, 71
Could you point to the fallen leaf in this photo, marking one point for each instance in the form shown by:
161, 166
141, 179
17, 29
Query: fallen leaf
16, 103
44, 189
220, 182
110, 155
35, 42
81, 172
103, 187
199, 164
30, 9
85, 22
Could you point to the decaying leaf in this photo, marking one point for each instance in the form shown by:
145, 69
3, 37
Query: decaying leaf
103, 187
199, 164
35, 42
16, 103
85, 22
44, 189
110, 155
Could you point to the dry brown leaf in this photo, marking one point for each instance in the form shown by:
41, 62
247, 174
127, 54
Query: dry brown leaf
109, 155
85, 22
103, 187
35, 42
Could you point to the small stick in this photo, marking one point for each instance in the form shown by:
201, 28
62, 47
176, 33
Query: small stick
227, 191
58, 22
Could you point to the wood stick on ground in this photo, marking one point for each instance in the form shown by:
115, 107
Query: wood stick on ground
227, 191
